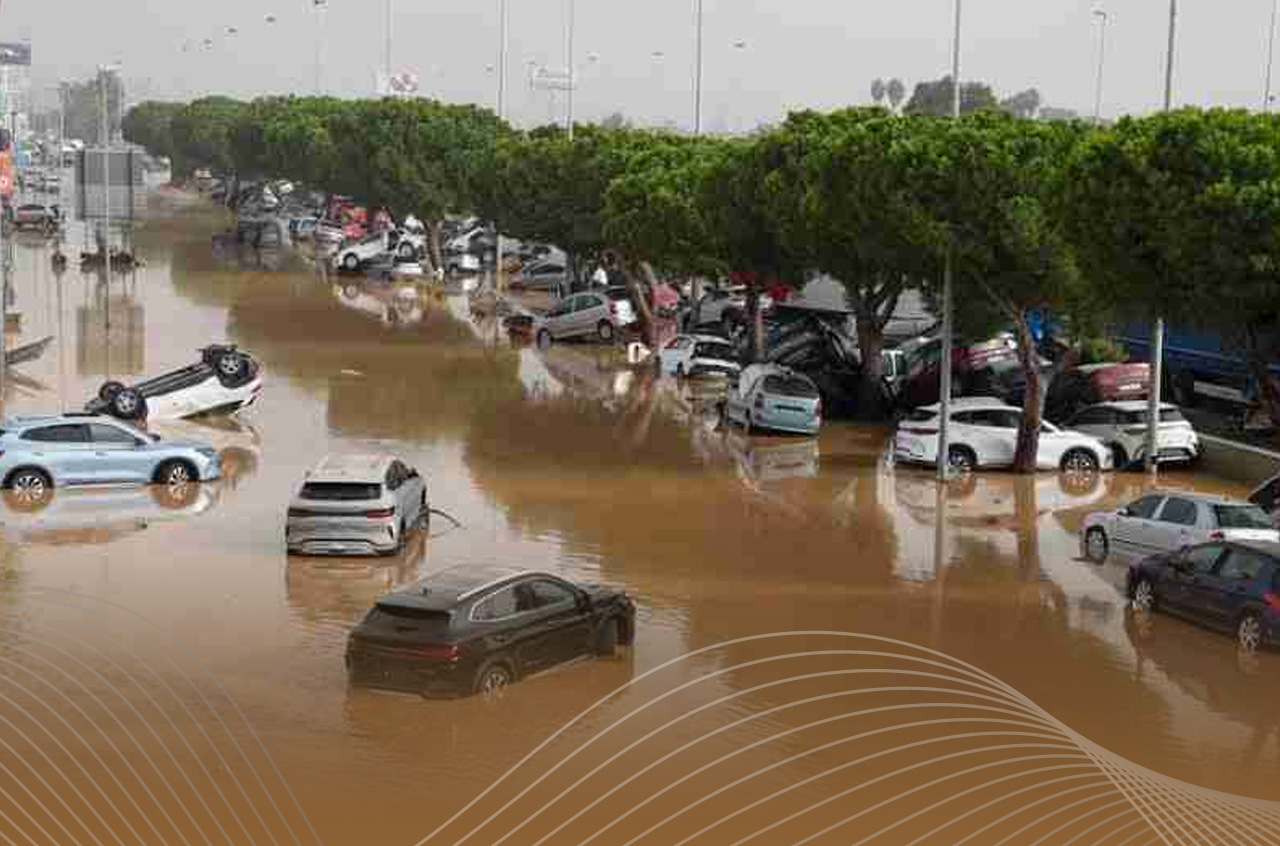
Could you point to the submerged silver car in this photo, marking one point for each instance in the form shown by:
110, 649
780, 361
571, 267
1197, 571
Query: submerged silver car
39, 453
356, 505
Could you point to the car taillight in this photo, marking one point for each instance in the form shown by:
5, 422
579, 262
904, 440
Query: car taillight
818, 409
1217, 536
301, 512
381, 514
1272, 599
437, 653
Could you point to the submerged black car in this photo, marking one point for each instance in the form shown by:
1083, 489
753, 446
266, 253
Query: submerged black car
476, 630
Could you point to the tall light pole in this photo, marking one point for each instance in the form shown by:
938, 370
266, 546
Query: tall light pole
502, 58
697, 72
388, 22
104, 73
569, 64
948, 321
1271, 55
1157, 334
1101, 14
319, 6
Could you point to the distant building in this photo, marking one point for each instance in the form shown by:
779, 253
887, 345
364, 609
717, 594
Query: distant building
15, 85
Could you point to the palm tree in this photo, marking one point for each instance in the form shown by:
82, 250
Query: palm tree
897, 92
878, 91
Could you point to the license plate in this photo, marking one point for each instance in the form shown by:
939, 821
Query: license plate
1130, 388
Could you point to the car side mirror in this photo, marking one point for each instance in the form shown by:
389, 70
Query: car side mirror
1124, 512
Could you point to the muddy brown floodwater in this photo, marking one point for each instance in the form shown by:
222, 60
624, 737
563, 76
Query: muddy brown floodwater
564, 461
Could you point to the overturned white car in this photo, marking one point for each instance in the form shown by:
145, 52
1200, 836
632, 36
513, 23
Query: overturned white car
224, 381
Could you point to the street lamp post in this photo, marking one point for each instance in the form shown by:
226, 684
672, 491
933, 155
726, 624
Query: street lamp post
1271, 56
1101, 14
573, 71
319, 6
1157, 333
697, 73
948, 321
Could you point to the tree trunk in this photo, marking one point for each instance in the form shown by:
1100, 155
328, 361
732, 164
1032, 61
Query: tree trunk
433, 244
1268, 390
641, 283
1024, 460
695, 314
755, 322
872, 399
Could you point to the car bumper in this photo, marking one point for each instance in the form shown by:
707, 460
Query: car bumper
372, 669
787, 424
342, 539
210, 469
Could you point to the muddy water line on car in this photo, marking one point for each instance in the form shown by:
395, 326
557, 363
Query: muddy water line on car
557, 461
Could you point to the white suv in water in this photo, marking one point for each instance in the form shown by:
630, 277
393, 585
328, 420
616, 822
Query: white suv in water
984, 433
356, 505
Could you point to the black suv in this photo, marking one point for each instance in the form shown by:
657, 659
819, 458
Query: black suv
476, 630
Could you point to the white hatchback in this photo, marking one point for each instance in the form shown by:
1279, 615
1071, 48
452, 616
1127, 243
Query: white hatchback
984, 433
1167, 521
1122, 426
697, 356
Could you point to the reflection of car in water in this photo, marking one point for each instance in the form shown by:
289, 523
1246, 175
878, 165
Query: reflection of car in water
1240, 687
396, 305
771, 460
345, 588
476, 630
1225, 585
224, 381
992, 497
88, 516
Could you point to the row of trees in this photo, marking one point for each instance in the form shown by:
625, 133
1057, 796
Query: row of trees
935, 98
1177, 214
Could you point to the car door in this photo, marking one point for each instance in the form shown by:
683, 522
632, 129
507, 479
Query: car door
1186, 585
593, 310
562, 618
673, 354
64, 450
1226, 591
558, 319
1131, 525
119, 456
1173, 527
505, 630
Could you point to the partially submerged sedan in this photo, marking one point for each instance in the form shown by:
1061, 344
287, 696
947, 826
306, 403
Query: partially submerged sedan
476, 630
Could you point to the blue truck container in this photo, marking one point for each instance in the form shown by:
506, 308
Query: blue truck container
1198, 365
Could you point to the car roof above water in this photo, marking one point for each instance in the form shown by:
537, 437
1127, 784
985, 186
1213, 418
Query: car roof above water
368, 468
27, 421
444, 589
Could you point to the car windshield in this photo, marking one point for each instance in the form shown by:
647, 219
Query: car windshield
1241, 517
790, 386
1167, 415
713, 349
341, 491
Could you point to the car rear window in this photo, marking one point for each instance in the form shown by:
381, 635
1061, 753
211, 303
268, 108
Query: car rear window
790, 386
341, 491
714, 350
400, 617
1241, 517
921, 416
1167, 415
618, 294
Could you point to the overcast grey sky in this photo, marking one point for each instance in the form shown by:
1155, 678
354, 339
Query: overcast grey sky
816, 53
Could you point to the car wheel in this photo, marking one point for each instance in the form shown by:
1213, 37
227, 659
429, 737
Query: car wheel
492, 679
747, 425
961, 460
129, 404
1144, 596
31, 488
233, 369
1080, 461
176, 472
544, 339
109, 390
607, 638
605, 332
175, 496
1119, 457
1096, 545
407, 251
1249, 632
351, 262
680, 371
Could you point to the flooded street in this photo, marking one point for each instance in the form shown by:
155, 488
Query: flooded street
563, 461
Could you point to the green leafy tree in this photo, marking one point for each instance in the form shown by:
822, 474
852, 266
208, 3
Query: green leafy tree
878, 90
1179, 215
202, 133
1024, 104
989, 183
935, 98
843, 207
